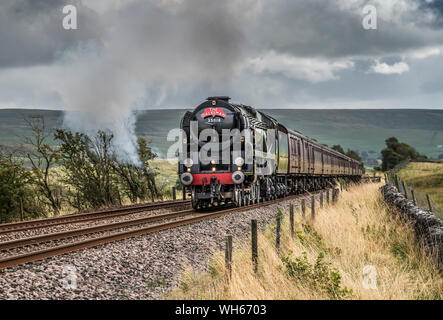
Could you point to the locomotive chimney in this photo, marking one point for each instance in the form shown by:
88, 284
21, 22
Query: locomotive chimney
224, 98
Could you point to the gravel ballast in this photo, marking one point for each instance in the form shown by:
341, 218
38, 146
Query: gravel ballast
145, 267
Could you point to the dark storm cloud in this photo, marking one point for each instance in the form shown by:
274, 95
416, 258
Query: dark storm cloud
202, 33
31, 31
218, 31
266, 52
436, 7
323, 28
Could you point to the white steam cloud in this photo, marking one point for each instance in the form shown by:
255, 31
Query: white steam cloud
99, 94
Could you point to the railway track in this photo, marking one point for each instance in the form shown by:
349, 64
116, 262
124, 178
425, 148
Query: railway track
179, 218
85, 217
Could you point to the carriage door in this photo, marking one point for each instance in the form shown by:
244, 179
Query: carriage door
283, 152
295, 155
322, 162
311, 151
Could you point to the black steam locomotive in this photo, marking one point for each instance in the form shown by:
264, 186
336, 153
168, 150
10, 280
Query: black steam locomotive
268, 162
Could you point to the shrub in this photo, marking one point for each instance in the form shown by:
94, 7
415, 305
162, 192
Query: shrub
319, 276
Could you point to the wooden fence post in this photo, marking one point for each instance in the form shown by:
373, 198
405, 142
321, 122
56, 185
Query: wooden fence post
404, 189
335, 195
303, 208
22, 216
321, 199
413, 197
429, 202
174, 196
312, 208
254, 242
396, 183
228, 256
291, 219
278, 233
327, 196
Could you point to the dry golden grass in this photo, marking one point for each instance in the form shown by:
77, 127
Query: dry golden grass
359, 230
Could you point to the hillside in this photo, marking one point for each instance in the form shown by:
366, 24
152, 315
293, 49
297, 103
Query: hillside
362, 130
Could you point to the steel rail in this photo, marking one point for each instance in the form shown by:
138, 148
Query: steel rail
88, 230
58, 250
83, 217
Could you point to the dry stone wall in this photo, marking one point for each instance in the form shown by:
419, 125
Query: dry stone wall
427, 226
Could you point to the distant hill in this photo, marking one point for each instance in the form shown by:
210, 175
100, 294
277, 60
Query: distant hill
361, 130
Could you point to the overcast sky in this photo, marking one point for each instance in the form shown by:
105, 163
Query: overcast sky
133, 54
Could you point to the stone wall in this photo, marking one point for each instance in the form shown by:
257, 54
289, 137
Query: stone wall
427, 226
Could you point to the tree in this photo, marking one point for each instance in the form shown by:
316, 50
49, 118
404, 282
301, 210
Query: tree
138, 182
338, 148
353, 154
396, 152
97, 177
17, 197
43, 158
89, 171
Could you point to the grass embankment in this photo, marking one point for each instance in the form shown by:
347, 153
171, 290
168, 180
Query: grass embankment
426, 178
326, 259
167, 170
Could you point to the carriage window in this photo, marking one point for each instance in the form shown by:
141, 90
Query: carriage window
283, 151
283, 144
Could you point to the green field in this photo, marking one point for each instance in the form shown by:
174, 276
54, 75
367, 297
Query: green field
426, 178
361, 130
168, 175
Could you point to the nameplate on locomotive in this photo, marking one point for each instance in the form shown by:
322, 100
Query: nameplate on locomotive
213, 112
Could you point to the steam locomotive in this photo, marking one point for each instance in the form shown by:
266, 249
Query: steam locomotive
251, 157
